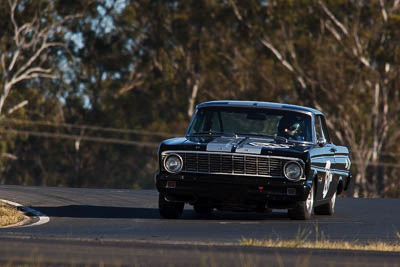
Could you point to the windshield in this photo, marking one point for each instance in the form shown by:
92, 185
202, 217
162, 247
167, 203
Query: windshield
251, 121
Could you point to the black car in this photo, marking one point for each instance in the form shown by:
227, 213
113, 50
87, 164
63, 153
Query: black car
252, 156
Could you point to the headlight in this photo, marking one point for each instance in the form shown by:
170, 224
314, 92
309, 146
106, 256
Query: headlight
173, 163
293, 171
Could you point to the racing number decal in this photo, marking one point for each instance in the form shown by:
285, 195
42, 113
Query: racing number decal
328, 178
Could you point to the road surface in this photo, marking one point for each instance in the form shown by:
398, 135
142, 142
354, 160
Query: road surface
123, 227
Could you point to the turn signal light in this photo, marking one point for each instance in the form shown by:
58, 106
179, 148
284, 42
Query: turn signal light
171, 184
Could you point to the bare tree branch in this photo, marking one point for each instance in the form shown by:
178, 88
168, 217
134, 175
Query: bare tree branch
332, 30
14, 59
3, 62
35, 56
33, 39
134, 81
18, 106
236, 10
193, 96
333, 18
383, 10
33, 73
357, 50
9, 156
13, 6
284, 62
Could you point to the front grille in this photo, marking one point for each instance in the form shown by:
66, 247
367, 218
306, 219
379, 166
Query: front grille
233, 164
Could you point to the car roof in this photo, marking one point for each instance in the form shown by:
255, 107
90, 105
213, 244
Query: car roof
258, 104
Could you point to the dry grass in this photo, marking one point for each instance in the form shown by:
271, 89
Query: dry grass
9, 215
301, 240
342, 245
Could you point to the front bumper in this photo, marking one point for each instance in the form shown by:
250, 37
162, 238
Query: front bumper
227, 190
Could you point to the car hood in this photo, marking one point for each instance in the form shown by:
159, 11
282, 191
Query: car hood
242, 145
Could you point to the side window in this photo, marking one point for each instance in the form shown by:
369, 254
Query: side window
325, 131
318, 128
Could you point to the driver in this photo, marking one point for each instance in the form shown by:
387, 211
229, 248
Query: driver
290, 128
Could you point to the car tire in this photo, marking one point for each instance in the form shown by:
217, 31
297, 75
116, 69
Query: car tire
203, 210
169, 210
328, 208
303, 209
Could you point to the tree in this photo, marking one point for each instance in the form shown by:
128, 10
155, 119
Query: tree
145, 64
346, 69
25, 54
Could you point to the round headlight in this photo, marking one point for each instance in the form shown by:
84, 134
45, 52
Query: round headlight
293, 171
173, 163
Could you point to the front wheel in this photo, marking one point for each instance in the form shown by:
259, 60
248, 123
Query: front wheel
328, 208
303, 209
169, 210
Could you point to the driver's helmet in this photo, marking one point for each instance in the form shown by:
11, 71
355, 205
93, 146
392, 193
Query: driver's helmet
289, 127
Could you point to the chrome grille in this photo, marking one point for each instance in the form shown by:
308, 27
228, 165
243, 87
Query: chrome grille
226, 164
203, 162
263, 166
238, 164
233, 164
190, 162
215, 163
275, 167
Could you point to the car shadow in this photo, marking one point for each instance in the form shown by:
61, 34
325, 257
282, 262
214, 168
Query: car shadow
109, 212
103, 212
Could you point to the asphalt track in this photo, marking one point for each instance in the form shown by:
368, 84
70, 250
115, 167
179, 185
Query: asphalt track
123, 227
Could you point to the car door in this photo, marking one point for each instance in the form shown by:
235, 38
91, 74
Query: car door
341, 168
337, 163
323, 160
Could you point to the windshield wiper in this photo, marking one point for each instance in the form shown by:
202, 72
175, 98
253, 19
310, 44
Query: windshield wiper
210, 133
258, 134
281, 139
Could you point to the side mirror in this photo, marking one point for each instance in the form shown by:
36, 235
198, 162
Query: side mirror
321, 142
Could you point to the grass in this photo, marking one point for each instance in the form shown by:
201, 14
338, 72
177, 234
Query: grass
302, 240
9, 215
341, 245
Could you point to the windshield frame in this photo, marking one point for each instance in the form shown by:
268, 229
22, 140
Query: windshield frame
310, 114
